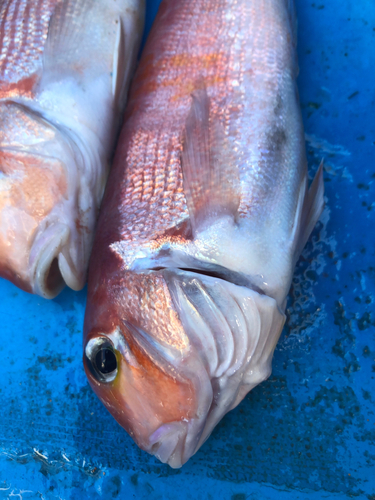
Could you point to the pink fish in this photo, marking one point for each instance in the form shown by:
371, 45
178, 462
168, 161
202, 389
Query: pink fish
206, 211
65, 67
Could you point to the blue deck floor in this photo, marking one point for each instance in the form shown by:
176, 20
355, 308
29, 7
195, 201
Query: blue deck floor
306, 433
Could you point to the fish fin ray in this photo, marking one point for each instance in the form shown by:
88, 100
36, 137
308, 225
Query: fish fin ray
211, 177
86, 39
66, 33
313, 205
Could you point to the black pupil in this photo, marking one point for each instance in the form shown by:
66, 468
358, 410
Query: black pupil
105, 360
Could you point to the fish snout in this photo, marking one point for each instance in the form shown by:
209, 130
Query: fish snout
168, 442
32, 189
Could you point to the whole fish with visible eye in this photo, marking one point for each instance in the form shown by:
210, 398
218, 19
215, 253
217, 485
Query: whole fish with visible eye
65, 66
205, 214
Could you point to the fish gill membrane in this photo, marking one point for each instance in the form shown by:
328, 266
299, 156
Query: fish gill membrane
56, 141
177, 337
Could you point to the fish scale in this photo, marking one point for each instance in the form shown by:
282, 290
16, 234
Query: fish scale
23, 31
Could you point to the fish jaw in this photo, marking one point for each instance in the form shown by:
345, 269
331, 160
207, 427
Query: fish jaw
21, 214
175, 382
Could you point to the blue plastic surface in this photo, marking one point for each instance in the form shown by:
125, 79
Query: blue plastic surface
306, 433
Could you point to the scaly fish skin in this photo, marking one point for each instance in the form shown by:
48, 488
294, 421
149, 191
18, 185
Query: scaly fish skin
205, 214
65, 66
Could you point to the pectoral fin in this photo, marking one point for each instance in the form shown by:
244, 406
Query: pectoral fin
211, 178
85, 39
66, 33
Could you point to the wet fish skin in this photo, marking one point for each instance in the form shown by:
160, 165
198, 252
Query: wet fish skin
205, 214
65, 67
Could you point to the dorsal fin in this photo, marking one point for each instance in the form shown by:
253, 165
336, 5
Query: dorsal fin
211, 177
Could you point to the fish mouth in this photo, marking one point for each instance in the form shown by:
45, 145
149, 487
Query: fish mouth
167, 443
51, 266
174, 443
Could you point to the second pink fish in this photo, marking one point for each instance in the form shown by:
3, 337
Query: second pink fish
65, 67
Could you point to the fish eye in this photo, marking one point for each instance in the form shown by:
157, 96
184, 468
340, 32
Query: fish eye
101, 359
105, 360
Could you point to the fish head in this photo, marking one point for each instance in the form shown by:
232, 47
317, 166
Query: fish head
42, 237
141, 365
169, 352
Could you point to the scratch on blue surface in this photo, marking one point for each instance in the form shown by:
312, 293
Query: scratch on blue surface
306, 433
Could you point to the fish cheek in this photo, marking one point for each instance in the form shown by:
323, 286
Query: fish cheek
34, 184
30, 187
171, 396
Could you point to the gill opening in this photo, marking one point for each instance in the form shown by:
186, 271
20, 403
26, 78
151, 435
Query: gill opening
218, 272
194, 270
